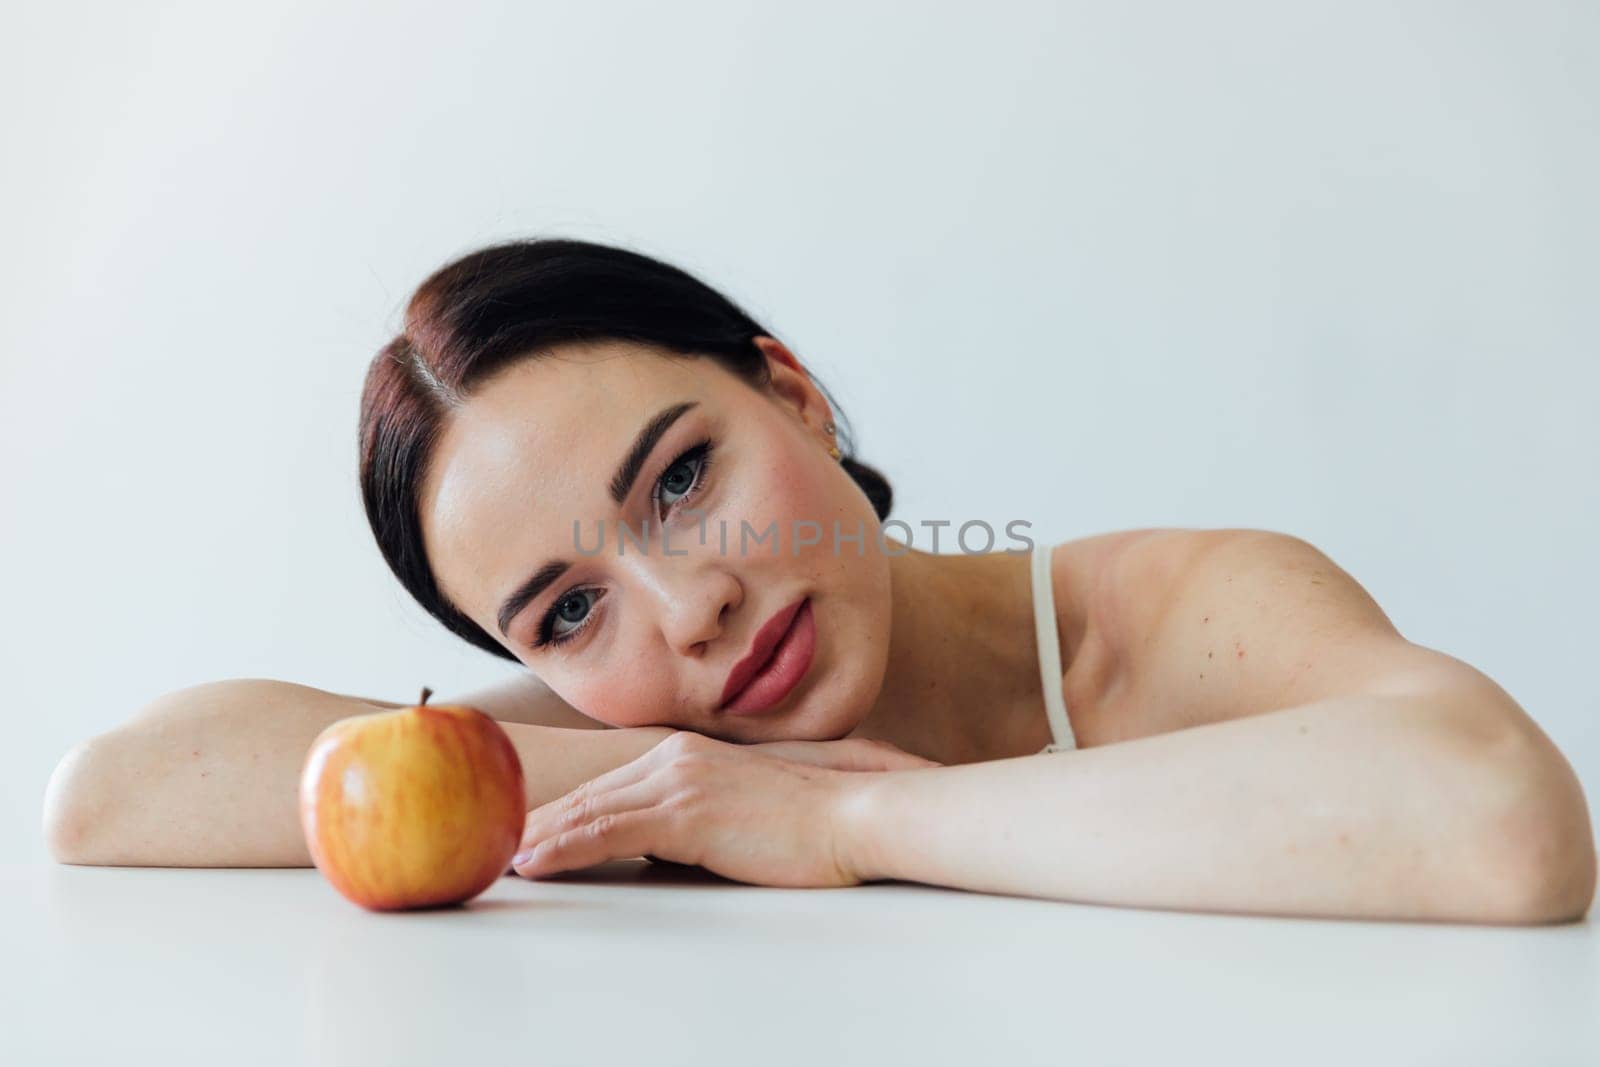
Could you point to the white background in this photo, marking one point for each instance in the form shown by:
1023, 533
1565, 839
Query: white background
1326, 268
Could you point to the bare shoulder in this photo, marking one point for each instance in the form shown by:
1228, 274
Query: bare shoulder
1216, 624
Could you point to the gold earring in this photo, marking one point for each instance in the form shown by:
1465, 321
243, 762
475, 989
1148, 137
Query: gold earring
833, 450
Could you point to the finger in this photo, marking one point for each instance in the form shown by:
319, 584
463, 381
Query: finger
633, 770
629, 773
551, 820
617, 835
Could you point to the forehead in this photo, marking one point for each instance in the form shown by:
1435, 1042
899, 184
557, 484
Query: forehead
534, 449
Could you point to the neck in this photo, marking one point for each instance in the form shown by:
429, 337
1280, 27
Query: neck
962, 683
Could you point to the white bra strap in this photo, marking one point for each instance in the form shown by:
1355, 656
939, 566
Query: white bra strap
1044, 628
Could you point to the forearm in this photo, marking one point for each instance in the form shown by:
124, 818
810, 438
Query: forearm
1372, 806
208, 776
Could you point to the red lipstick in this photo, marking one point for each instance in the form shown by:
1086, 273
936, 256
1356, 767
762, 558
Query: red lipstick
779, 657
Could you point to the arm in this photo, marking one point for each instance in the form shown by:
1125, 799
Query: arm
208, 776
1439, 804
519, 698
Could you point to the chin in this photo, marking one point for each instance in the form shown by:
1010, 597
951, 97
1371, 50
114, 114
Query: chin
797, 724
835, 722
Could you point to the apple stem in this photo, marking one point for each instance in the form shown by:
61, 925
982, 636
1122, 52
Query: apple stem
426, 693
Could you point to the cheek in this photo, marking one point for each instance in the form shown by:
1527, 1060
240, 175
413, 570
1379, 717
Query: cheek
624, 698
795, 488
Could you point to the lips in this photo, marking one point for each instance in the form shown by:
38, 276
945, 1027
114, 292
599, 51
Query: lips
761, 648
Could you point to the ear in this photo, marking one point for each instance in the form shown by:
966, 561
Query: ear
792, 385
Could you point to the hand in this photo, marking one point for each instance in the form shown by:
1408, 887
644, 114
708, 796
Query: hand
696, 800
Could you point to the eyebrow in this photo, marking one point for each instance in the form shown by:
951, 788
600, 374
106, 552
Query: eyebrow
620, 486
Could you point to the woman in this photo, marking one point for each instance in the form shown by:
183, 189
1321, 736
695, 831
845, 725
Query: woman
590, 463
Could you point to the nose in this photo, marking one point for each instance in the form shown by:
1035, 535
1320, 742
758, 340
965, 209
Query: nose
695, 604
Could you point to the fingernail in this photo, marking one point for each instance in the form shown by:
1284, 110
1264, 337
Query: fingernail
521, 857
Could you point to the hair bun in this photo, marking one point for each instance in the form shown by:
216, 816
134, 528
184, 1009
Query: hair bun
873, 483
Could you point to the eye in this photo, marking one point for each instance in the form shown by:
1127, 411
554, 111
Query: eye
685, 476
573, 608
682, 480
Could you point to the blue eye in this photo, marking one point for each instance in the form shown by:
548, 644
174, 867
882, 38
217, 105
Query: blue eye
573, 607
686, 474
683, 479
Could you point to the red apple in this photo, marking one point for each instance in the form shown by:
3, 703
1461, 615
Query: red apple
413, 808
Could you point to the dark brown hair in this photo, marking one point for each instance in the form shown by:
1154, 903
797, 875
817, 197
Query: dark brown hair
515, 301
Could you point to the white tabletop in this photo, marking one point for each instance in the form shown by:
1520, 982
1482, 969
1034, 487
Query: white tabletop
631, 963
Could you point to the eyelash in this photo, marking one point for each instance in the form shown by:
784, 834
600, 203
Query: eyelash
700, 450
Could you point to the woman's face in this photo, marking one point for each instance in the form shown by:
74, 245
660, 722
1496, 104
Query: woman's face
649, 636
